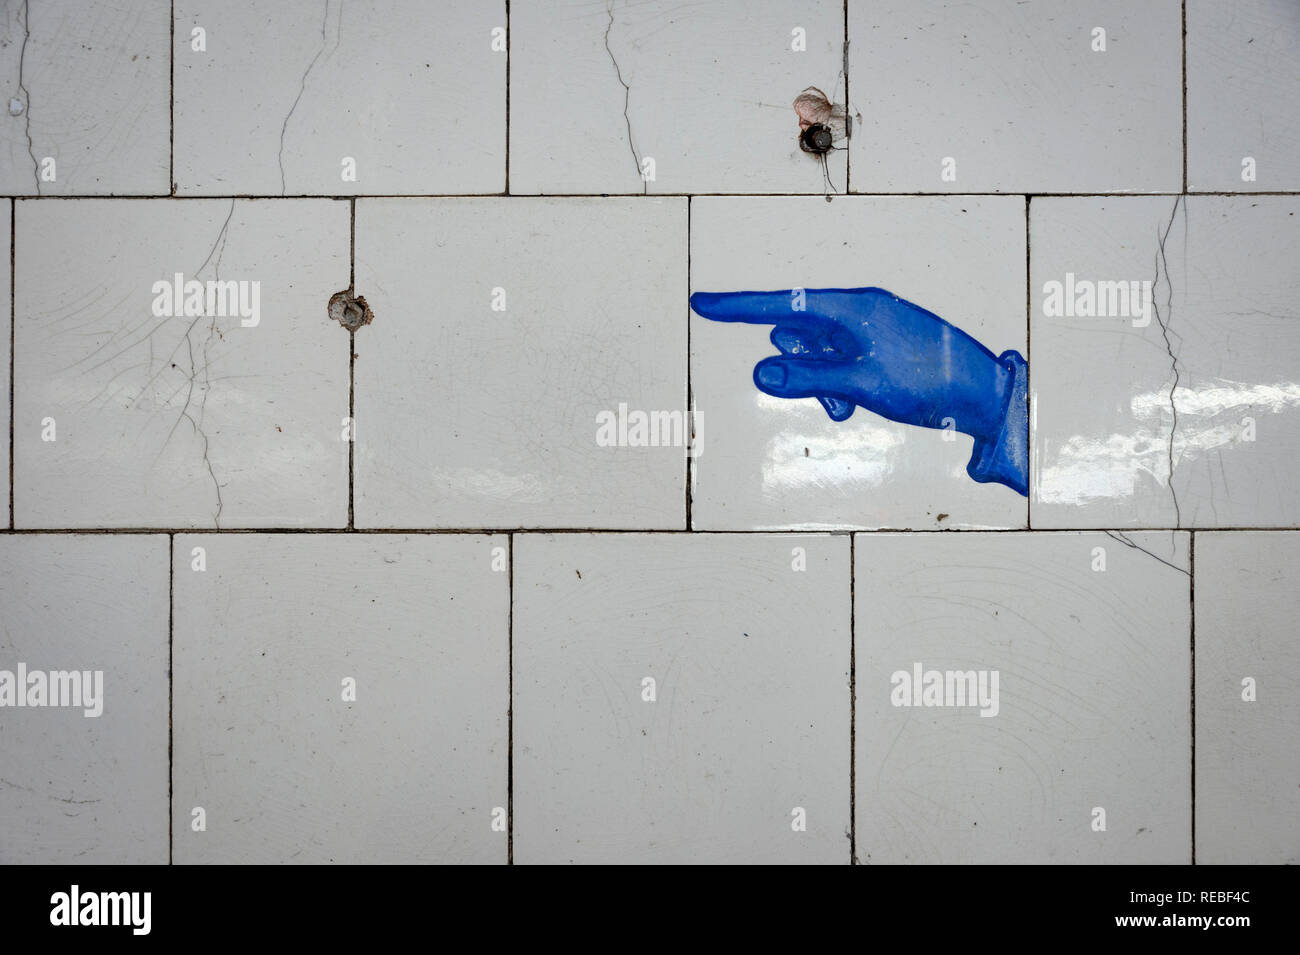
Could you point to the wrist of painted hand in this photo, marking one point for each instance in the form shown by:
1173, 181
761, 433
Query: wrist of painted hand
1001, 453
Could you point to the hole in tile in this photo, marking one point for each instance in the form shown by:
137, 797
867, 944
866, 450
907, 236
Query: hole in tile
349, 310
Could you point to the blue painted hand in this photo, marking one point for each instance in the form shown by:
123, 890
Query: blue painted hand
867, 347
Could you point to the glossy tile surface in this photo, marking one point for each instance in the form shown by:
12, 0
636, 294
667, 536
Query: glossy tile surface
1211, 361
1009, 96
743, 642
327, 98
290, 768
1243, 81
132, 412
703, 91
513, 343
1092, 710
79, 789
1247, 698
771, 463
87, 98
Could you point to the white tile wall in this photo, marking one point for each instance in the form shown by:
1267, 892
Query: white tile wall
703, 90
1243, 129
127, 418
86, 98
350, 106
286, 763
504, 329
1247, 693
1088, 634
79, 788
1211, 362
1008, 96
696, 684
538, 477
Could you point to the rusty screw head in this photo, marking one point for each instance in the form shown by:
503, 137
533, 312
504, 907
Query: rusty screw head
816, 139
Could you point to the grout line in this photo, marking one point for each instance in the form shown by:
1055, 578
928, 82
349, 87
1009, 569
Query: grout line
510, 702
690, 392
1029, 371
13, 336
171, 105
853, 704
507, 97
777, 531
352, 369
848, 108
1191, 586
171, 693
657, 195
1184, 97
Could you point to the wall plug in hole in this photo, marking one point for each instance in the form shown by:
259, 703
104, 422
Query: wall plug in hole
350, 311
823, 127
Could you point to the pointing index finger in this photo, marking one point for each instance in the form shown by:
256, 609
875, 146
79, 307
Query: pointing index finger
756, 308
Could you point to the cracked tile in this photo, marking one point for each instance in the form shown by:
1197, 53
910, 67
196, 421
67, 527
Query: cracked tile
1088, 638
769, 463
323, 97
1007, 96
1247, 698
746, 643
506, 332
706, 91
1184, 413
1243, 81
99, 128
131, 411
292, 764
79, 789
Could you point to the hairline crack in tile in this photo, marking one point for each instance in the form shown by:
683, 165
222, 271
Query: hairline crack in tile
27, 96
302, 85
1161, 259
1127, 542
627, 94
218, 249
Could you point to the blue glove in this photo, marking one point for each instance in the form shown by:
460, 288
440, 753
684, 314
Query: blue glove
868, 347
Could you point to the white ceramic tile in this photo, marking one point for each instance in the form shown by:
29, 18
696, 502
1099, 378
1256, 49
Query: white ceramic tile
285, 768
746, 640
1243, 81
5, 355
1016, 96
179, 421
285, 94
1092, 709
472, 417
78, 788
1247, 763
766, 462
706, 91
1223, 304
86, 98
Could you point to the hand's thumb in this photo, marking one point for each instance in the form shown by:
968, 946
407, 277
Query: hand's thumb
784, 377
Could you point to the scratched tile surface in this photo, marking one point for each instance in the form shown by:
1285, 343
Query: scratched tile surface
703, 91
286, 767
1243, 82
130, 418
1247, 698
78, 788
323, 97
509, 332
743, 643
1008, 96
1208, 355
1089, 638
767, 463
87, 98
